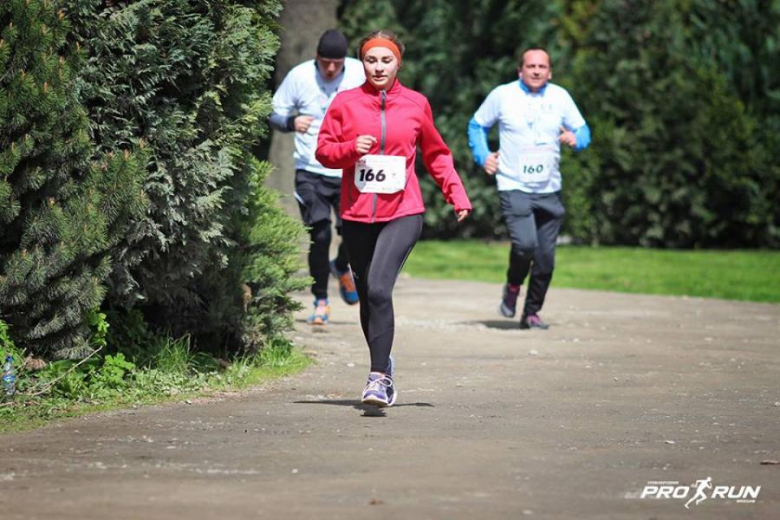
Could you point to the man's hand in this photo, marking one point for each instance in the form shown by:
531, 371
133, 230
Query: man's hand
462, 214
364, 144
491, 163
567, 137
302, 123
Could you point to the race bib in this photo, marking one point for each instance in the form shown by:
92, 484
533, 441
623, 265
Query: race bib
380, 174
536, 165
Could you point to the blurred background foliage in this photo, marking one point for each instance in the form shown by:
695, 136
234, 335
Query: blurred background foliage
682, 97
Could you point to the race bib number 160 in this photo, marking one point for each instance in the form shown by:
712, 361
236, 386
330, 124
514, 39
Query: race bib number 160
536, 164
380, 174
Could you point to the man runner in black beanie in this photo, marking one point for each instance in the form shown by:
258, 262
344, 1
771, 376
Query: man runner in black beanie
299, 105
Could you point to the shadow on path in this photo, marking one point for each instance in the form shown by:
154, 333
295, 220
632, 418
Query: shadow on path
508, 324
367, 409
319, 328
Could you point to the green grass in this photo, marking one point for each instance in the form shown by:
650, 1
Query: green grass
733, 275
175, 375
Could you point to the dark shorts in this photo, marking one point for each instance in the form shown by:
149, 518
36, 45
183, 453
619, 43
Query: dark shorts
318, 197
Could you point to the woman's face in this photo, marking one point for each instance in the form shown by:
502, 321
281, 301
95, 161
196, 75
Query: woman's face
381, 67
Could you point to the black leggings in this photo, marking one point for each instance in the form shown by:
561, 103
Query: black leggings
377, 253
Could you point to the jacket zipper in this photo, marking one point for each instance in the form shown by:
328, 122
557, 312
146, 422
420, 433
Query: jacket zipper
384, 125
381, 148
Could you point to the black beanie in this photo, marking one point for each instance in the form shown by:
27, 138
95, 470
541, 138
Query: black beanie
333, 45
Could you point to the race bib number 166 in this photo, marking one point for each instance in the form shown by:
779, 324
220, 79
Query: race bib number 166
380, 174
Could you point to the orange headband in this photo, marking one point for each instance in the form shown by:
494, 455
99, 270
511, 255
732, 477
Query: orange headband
381, 42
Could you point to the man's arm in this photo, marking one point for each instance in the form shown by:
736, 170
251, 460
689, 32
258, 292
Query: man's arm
478, 135
479, 129
582, 134
282, 123
574, 125
478, 141
578, 139
285, 107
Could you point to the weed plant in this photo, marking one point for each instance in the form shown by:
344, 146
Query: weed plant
132, 366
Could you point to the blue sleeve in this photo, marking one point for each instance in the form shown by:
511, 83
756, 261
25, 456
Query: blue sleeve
582, 134
478, 142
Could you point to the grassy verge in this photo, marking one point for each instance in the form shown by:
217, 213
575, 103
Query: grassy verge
112, 382
734, 275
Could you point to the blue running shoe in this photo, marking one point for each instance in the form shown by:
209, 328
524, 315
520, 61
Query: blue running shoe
321, 314
376, 391
347, 288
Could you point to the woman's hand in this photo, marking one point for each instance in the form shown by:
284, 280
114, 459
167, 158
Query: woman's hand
364, 143
462, 214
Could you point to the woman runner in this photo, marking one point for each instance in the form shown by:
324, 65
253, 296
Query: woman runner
372, 133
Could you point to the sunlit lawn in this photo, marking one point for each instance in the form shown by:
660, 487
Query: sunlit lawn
736, 275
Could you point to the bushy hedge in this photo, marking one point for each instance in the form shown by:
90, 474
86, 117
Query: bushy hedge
188, 79
679, 156
64, 206
166, 101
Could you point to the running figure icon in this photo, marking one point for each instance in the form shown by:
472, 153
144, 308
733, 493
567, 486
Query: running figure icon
700, 495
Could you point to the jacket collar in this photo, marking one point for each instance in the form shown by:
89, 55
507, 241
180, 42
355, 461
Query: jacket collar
392, 92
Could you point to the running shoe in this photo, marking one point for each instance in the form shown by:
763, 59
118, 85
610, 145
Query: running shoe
508, 306
379, 390
347, 288
321, 314
533, 321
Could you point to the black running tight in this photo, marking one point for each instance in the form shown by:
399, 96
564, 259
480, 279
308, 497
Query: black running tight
377, 253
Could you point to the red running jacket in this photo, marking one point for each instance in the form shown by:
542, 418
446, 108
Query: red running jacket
400, 119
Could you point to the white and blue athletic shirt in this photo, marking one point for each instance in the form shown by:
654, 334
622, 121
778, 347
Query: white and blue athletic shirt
305, 92
528, 122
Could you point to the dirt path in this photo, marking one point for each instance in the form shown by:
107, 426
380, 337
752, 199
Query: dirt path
492, 422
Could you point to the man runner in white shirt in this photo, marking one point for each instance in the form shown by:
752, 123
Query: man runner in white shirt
534, 119
299, 105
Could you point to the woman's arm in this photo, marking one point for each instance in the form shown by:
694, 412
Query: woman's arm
332, 152
438, 160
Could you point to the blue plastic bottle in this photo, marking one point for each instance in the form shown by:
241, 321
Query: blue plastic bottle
9, 377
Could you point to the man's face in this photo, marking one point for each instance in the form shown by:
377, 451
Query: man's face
536, 71
330, 69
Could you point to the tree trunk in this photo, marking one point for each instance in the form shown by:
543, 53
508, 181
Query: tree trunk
302, 22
